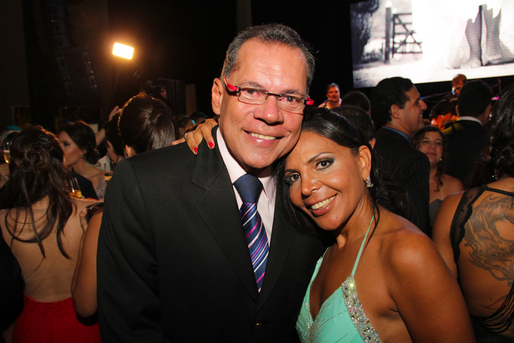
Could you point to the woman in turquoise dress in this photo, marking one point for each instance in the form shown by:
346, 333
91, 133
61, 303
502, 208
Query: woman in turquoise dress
382, 280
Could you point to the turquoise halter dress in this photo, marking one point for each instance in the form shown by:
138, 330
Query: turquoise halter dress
341, 317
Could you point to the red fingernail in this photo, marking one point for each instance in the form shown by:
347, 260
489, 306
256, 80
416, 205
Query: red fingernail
211, 145
195, 149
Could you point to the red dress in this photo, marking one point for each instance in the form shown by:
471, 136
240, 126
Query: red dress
53, 322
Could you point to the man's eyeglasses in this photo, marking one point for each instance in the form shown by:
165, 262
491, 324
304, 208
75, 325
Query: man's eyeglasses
253, 96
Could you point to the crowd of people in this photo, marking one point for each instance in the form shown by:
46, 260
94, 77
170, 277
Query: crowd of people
278, 221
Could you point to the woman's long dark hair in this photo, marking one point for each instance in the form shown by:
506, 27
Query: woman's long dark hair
328, 124
36, 172
441, 165
497, 160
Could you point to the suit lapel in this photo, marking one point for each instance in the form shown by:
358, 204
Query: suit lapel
218, 209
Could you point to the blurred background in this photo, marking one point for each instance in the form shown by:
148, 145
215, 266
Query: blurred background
57, 63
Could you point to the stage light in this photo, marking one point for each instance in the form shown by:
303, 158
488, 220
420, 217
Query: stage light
124, 51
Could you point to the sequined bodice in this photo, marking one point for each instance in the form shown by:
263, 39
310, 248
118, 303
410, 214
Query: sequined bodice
341, 318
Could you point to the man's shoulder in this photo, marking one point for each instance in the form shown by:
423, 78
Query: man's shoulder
393, 148
176, 156
462, 126
390, 141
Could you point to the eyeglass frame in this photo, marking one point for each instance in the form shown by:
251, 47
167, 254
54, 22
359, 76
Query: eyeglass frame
238, 90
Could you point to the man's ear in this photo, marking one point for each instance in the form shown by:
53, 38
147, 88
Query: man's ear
217, 95
395, 111
484, 117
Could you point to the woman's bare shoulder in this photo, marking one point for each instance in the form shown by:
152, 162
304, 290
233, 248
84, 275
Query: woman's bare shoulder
96, 173
404, 244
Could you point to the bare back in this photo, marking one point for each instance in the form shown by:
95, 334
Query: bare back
47, 279
482, 235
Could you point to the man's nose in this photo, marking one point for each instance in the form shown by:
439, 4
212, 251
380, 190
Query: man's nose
269, 111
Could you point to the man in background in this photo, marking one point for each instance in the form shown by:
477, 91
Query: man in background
397, 113
467, 135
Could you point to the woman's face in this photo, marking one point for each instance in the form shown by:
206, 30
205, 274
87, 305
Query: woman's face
333, 94
432, 146
112, 154
326, 180
72, 152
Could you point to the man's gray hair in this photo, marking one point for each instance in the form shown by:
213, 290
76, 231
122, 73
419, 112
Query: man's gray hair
268, 33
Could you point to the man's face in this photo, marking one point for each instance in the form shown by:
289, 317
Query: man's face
411, 116
457, 86
257, 135
333, 94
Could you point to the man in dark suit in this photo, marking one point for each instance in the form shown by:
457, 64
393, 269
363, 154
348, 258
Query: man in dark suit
173, 260
467, 136
11, 287
397, 112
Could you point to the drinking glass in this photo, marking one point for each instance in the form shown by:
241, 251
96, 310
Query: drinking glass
6, 147
75, 191
108, 170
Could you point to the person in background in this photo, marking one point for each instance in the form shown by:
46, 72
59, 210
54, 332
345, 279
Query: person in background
333, 99
199, 117
41, 225
79, 146
145, 124
467, 135
432, 142
113, 139
150, 121
100, 135
174, 262
445, 110
382, 280
11, 290
8, 138
360, 119
113, 144
183, 123
474, 229
358, 99
397, 113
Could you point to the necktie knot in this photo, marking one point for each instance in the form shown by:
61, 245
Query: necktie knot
249, 188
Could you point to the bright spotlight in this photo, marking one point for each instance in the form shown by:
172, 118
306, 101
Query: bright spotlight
124, 51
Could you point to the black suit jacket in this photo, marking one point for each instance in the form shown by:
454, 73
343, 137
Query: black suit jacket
409, 168
173, 262
11, 286
466, 140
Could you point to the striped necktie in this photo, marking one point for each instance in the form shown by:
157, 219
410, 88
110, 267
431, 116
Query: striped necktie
249, 188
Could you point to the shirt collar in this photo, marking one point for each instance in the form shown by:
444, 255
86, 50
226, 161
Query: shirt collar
469, 118
235, 171
398, 131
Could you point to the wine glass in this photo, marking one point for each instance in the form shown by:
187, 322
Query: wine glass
6, 146
74, 187
108, 170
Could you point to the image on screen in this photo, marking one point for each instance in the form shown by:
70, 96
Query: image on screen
431, 41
